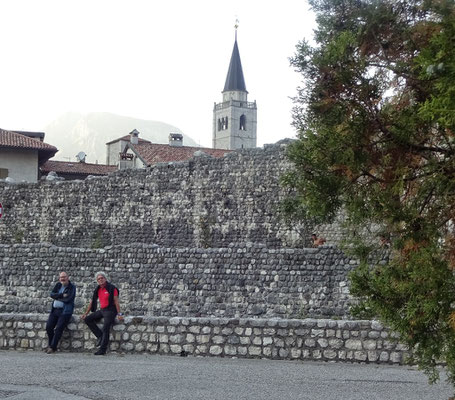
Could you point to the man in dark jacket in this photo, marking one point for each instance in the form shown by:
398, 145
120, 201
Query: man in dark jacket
63, 294
107, 295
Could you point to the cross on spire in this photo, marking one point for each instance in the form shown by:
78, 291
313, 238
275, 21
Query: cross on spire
236, 26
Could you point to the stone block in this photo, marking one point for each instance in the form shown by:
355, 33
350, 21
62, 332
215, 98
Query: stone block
316, 354
283, 353
353, 344
136, 337
245, 340
218, 339
202, 339
373, 356
254, 350
195, 329
257, 340
369, 344
119, 327
215, 350
176, 348
163, 338
317, 332
242, 350
127, 346
310, 342
189, 348
396, 357
330, 354
176, 338
360, 355
230, 350
152, 347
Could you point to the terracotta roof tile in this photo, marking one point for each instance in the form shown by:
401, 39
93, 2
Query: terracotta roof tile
153, 153
77, 168
18, 141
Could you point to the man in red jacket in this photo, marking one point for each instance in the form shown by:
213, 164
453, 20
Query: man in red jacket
107, 295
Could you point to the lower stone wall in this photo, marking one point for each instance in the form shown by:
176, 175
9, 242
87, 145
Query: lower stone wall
283, 339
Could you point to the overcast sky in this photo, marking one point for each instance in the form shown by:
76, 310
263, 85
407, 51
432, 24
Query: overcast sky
163, 60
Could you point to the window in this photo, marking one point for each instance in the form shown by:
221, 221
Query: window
223, 124
242, 126
3, 173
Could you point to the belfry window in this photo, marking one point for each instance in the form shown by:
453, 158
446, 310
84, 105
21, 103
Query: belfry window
223, 124
242, 126
3, 173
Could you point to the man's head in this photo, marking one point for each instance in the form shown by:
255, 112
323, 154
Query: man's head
63, 278
101, 278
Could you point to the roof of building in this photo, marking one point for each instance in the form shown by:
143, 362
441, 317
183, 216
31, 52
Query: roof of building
67, 167
35, 135
127, 139
14, 140
234, 79
152, 153
17, 140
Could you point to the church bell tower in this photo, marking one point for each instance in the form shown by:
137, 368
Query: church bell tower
235, 118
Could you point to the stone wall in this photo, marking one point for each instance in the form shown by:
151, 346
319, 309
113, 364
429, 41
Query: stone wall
246, 280
308, 339
204, 202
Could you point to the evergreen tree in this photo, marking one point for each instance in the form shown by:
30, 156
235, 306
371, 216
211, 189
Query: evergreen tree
376, 122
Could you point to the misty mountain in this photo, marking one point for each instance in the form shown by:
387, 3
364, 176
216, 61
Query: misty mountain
75, 132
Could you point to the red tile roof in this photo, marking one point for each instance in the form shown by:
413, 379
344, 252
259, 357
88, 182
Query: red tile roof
153, 153
67, 167
18, 141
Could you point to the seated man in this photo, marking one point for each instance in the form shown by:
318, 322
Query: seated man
107, 294
63, 294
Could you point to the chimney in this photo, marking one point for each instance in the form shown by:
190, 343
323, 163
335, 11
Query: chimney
134, 136
175, 139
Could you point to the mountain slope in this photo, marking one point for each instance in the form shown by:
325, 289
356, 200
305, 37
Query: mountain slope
75, 132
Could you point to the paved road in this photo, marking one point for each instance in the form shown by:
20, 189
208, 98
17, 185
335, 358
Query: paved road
36, 375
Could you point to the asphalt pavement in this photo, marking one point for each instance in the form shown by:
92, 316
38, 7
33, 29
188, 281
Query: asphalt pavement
35, 375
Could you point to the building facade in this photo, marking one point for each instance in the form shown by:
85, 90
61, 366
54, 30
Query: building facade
22, 154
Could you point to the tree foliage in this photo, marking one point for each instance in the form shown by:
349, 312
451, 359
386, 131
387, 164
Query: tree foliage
376, 122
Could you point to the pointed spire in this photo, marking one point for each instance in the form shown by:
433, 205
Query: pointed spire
235, 79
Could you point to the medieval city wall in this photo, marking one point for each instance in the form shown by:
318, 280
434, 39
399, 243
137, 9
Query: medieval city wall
204, 202
243, 281
203, 259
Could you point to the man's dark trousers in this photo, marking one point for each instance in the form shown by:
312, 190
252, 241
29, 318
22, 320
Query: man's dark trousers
108, 315
56, 324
